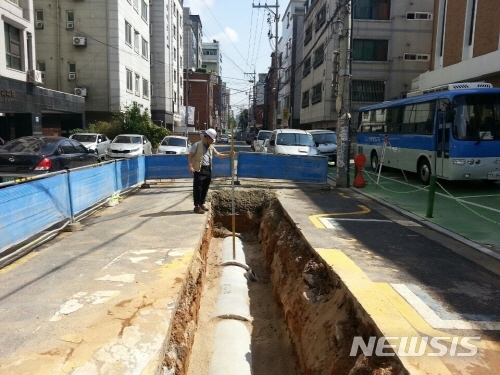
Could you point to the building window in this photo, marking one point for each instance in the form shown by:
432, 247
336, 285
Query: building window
174, 32
129, 81
39, 19
305, 99
416, 57
306, 69
71, 71
12, 46
136, 5
368, 91
320, 18
144, 11
316, 94
308, 34
372, 9
175, 53
145, 48
128, 33
137, 83
419, 16
70, 20
370, 50
136, 41
145, 88
40, 65
319, 55
175, 76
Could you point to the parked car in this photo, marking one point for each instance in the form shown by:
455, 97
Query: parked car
129, 146
173, 144
291, 142
326, 143
250, 137
34, 155
224, 138
258, 141
264, 146
93, 141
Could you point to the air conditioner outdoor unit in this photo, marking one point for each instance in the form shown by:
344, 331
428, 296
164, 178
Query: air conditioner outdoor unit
71, 76
39, 24
70, 25
82, 91
79, 41
35, 76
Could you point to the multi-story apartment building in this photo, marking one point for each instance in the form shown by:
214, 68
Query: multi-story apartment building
26, 108
167, 62
465, 44
212, 57
391, 44
99, 50
192, 39
289, 48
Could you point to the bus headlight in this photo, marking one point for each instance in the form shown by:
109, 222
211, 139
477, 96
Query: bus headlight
470, 161
459, 161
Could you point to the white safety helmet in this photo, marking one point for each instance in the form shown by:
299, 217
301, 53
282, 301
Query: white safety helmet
211, 133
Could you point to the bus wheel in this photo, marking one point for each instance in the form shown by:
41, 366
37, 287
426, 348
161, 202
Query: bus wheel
424, 171
374, 161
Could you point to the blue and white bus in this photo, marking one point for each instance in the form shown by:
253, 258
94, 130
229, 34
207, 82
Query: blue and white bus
453, 133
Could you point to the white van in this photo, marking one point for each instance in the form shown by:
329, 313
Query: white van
291, 142
326, 142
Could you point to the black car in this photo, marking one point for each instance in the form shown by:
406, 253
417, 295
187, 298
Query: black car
34, 155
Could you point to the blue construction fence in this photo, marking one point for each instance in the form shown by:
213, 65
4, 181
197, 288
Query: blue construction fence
32, 206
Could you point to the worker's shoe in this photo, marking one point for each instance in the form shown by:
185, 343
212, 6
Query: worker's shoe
204, 208
198, 210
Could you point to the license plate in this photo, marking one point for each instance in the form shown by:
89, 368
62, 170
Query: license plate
494, 175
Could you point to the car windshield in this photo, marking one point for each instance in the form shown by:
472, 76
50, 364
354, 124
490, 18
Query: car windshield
325, 138
174, 142
31, 145
84, 137
295, 139
477, 117
127, 139
263, 136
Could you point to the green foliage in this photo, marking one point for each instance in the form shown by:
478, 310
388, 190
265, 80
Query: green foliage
132, 121
110, 129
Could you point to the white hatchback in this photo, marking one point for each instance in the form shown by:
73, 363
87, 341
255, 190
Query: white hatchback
93, 141
291, 142
129, 146
173, 144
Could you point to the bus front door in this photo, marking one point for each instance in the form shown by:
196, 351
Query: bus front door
443, 145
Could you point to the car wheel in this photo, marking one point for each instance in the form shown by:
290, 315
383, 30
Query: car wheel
374, 161
424, 171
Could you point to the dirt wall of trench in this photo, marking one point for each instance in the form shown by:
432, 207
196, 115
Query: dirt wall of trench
320, 313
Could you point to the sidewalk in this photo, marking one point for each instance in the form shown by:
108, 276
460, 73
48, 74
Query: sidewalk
102, 300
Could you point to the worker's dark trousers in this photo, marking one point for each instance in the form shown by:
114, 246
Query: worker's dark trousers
201, 183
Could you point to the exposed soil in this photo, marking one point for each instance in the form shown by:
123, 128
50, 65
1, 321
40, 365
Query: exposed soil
304, 318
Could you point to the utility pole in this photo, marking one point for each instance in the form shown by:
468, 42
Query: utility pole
276, 67
254, 108
343, 101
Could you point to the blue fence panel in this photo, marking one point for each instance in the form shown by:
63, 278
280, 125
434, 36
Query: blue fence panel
130, 172
90, 185
32, 207
176, 166
221, 167
295, 168
167, 167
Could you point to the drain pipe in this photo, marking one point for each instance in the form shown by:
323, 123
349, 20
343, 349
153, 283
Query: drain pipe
232, 352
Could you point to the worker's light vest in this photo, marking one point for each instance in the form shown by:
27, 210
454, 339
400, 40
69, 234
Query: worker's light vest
198, 157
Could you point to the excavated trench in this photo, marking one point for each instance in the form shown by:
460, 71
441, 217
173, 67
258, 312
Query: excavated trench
304, 319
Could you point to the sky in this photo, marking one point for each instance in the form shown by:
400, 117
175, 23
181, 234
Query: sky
242, 32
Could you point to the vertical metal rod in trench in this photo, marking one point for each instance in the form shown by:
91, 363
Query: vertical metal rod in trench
233, 211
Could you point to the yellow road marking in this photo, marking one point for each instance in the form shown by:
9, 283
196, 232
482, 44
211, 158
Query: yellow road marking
317, 223
18, 262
